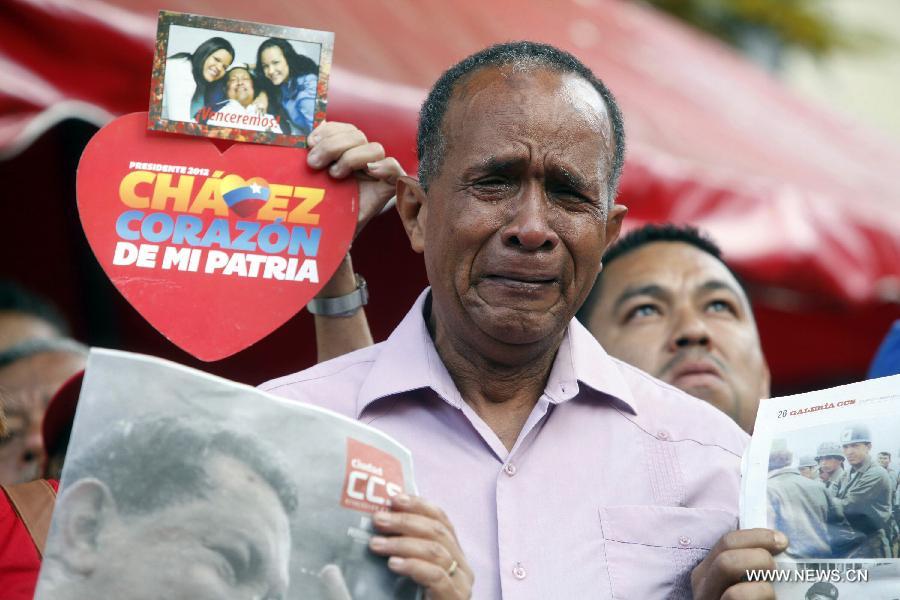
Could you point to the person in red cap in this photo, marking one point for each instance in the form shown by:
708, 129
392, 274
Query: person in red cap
25, 510
57, 425
30, 374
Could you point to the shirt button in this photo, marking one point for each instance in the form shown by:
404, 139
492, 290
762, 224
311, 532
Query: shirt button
510, 469
663, 435
684, 540
519, 571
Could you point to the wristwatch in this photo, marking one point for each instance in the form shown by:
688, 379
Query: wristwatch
342, 306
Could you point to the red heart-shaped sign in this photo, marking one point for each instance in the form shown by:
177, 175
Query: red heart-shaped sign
216, 250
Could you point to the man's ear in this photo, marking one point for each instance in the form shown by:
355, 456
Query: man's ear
84, 509
413, 209
614, 223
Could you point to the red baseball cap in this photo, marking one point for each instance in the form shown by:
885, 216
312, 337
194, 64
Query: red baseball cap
60, 413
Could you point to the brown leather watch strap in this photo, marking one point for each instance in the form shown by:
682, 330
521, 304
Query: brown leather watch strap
33, 502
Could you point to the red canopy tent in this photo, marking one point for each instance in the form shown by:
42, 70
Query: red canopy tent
802, 201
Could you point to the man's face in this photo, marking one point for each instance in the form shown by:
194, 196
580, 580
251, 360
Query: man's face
215, 65
856, 452
240, 86
677, 313
517, 218
884, 461
29, 384
232, 543
274, 65
808, 472
828, 465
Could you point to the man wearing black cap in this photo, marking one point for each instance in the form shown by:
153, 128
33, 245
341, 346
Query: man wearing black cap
863, 498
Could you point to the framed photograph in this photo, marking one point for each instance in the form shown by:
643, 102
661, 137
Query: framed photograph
236, 80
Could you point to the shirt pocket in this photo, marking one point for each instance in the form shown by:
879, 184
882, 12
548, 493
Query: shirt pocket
651, 550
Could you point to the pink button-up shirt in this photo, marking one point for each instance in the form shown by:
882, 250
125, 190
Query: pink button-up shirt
616, 487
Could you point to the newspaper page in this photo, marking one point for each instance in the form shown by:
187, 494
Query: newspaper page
179, 484
822, 468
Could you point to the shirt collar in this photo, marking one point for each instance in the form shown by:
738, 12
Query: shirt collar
408, 360
592, 366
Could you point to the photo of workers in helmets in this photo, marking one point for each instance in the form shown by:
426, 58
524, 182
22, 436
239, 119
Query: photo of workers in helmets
832, 490
822, 469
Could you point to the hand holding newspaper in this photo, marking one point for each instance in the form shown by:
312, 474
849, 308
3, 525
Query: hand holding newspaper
822, 468
178, 484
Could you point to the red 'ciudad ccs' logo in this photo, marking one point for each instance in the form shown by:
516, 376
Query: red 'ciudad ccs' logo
373, 477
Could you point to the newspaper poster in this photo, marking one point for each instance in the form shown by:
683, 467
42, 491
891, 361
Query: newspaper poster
178, 484
822, 468
243, 81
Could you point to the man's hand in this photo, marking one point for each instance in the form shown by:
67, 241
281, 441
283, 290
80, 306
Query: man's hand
345, 150
722, 574
261, 103
423, 547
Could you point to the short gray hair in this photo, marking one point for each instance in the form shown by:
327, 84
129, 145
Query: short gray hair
431, 143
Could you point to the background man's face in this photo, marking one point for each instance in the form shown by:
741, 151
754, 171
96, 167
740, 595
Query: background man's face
240, 86
829, 465
29, 384
856, 453
677, 313
517, 216
884, 461
234, 543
